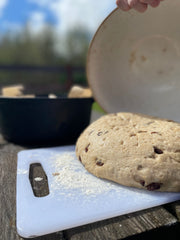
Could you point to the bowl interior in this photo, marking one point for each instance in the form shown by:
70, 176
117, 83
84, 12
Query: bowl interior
134, 62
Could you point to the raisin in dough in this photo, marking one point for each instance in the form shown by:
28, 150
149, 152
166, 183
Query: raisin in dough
133, 150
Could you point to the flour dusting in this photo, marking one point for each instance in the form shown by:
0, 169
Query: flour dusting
70, 175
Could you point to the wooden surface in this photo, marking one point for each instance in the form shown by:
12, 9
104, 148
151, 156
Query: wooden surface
163, 221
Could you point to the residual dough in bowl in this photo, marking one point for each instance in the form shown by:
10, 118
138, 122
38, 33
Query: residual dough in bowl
133, 150
133, 62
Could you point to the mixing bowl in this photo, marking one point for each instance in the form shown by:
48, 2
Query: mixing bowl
133, 62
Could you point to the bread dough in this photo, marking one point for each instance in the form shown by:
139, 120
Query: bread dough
133, 150
79, 92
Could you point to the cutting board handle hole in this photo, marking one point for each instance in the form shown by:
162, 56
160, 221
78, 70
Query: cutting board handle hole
38, 180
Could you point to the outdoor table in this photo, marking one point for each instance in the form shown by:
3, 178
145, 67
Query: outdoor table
162, 221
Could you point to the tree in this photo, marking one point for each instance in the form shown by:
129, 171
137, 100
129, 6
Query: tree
28, 48
76, 43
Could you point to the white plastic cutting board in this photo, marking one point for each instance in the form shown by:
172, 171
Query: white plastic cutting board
76, 197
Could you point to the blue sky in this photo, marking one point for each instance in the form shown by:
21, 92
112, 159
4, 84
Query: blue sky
63, 14
19, 11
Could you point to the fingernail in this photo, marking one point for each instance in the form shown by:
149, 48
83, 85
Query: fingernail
123, 5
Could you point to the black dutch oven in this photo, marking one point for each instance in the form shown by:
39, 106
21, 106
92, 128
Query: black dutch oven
44, 121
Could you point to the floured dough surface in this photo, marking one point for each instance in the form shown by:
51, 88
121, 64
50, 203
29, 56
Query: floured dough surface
133, 150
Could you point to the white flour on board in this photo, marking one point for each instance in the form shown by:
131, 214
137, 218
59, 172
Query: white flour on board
69, 174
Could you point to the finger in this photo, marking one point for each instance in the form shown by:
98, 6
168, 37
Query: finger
152, 3
123, 5
155, 3
147, 1
140, 7
132, 3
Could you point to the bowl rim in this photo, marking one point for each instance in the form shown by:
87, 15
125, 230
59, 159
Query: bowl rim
88, 55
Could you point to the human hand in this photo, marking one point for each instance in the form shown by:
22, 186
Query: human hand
139, 5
